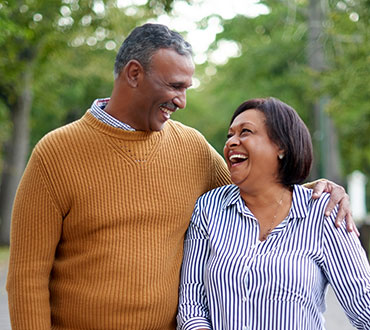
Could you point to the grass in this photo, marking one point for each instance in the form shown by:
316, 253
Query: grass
4, 254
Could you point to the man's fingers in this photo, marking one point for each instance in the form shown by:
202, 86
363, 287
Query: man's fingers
357, 231
350, 224
340, 218
330, 207
338, 196
318, 189
344, 213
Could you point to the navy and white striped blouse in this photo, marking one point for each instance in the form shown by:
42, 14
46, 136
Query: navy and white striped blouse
230, 280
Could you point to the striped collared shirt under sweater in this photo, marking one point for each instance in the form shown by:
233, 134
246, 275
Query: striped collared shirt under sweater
97, 110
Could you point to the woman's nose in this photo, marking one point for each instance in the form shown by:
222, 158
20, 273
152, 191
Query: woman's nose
232, 141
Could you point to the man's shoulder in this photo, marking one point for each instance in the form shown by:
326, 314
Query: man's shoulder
183, 130
64, 135
188, 137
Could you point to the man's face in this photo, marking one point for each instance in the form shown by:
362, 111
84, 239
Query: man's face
163, 88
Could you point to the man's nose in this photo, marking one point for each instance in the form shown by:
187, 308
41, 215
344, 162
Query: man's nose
180, 99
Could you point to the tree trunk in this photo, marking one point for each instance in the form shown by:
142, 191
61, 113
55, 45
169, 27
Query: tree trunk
16, 153
327, 159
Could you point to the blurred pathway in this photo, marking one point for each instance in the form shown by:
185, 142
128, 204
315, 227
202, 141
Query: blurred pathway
4, 313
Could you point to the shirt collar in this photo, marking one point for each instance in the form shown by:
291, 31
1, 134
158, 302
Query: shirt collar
231, 197
299, 209
97, 110
301, 201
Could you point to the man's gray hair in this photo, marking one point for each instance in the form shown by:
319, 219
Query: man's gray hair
144, 41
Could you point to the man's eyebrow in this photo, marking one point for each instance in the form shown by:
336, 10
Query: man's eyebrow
181, 84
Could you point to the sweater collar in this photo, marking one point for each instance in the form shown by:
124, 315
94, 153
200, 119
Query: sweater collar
104, 128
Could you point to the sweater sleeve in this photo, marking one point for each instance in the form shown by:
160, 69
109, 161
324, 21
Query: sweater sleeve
35, 232
220, 173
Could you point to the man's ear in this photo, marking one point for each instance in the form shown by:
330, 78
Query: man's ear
133, 71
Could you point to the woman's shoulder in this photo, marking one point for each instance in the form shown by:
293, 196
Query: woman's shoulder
304, 195
219, 195
313, 208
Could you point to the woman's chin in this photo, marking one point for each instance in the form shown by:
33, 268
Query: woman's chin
240, 182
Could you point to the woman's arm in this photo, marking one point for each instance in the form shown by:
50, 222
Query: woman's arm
348, 271
193, 310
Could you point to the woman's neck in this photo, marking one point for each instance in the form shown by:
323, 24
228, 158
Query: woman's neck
269, 205
263, 195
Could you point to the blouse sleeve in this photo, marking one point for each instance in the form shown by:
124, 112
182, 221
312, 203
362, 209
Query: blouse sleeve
347, 268
193, 310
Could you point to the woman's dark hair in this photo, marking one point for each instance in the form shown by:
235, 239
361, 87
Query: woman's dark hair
287, 130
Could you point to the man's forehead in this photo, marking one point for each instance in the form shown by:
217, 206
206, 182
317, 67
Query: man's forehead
173, 65
171, 56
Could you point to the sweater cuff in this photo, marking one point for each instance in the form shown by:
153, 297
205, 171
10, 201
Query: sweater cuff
311, 185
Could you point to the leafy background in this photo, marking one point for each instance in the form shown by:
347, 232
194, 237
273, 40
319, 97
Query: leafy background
57, 56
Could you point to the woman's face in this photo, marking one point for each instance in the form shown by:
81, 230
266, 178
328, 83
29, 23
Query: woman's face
251, 156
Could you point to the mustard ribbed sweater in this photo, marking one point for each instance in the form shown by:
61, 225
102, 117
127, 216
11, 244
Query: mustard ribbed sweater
98, 226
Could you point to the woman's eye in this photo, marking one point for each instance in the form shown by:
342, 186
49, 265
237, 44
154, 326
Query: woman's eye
246, 130
228, 136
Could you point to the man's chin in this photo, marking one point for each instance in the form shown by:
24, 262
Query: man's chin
158, 128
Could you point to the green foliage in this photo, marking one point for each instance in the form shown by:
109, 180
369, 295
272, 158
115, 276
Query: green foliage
347, 81
4, 255
272, 63
70, 47
76, 77
4, 127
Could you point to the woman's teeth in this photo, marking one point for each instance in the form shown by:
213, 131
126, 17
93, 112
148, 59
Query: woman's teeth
237, 158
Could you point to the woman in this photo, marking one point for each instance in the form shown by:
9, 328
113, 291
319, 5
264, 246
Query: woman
259, 254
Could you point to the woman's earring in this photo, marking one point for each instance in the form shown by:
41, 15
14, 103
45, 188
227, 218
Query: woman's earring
281, 156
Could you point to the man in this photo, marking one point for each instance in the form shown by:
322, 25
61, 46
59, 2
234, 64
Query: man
101, 211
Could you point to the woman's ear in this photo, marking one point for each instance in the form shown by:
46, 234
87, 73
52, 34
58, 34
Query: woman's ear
281, 153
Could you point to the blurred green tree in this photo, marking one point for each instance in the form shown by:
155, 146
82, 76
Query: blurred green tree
56, 56
60, 46
273, 61
348, 82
